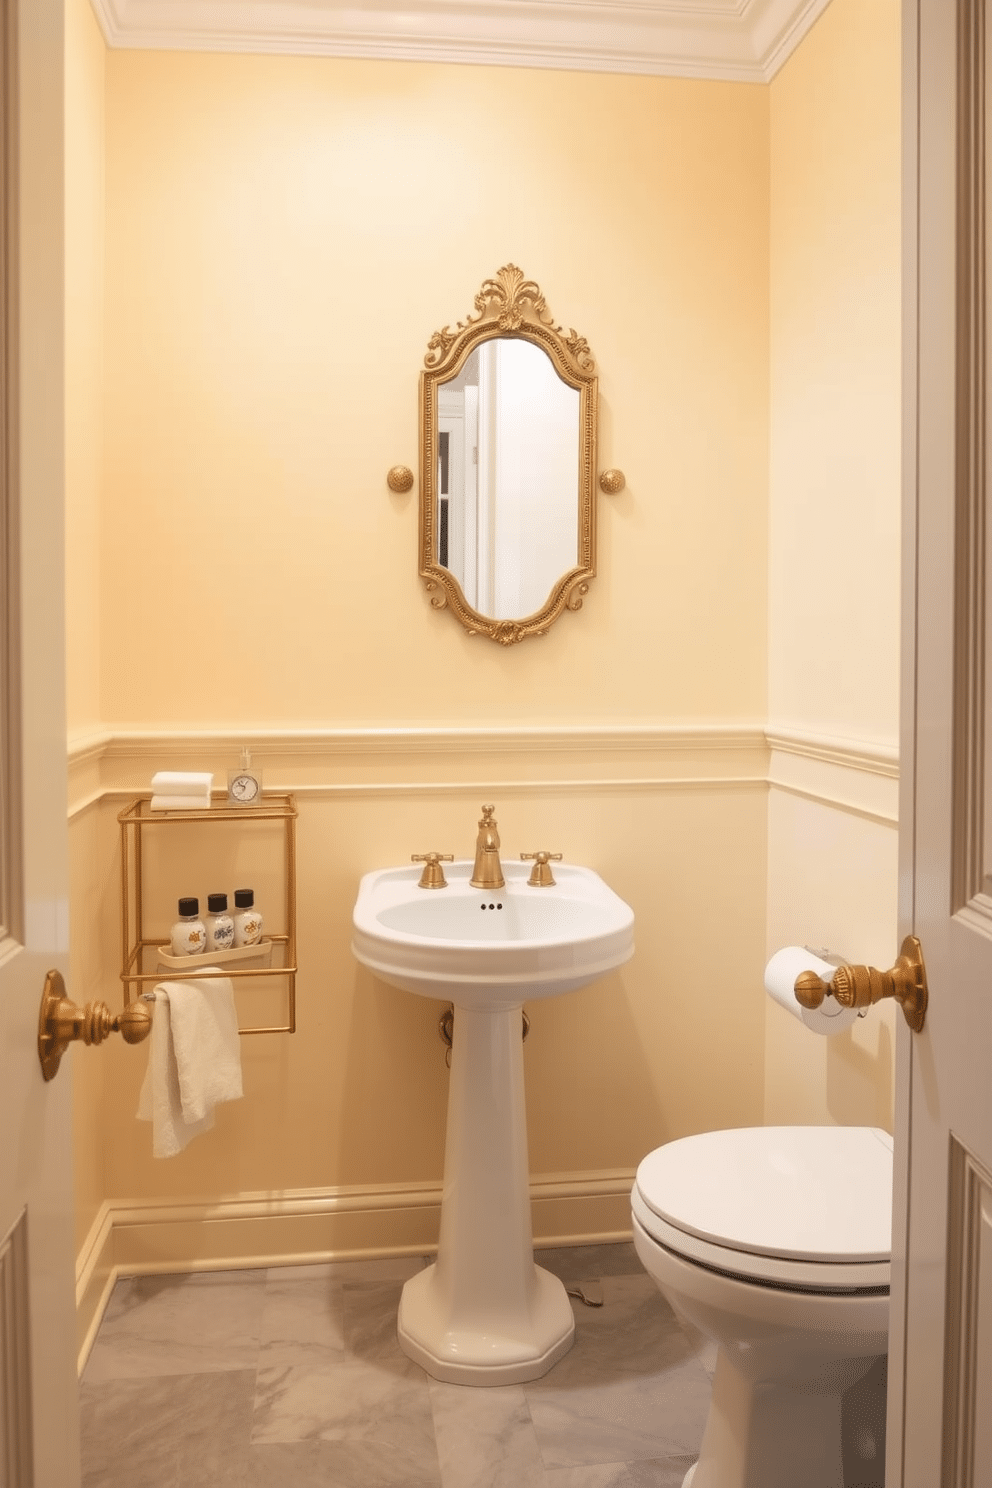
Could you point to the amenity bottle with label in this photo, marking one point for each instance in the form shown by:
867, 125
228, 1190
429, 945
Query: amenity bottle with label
247, 920
189, 934
220, 926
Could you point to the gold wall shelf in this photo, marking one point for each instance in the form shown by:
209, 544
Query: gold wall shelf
140, 968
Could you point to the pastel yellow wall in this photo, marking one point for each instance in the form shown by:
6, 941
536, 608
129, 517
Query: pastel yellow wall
833, 533
279, 247
358, 1095
284, 235
280, 238
833, 557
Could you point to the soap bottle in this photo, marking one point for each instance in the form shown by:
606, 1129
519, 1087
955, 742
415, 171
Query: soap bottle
189, 934
247, 920
220, 926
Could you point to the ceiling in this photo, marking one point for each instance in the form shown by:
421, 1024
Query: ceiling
741, 40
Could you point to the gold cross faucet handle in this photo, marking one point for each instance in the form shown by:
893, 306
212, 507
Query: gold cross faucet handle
540, 875
433, 874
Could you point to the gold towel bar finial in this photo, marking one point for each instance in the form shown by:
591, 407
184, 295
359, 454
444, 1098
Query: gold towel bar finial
860, 986
61, 1023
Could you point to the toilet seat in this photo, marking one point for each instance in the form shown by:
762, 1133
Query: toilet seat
796, 1207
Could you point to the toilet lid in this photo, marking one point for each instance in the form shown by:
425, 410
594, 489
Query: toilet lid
814, 1194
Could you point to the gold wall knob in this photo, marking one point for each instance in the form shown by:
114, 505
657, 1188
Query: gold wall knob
540, 874
400, 479
612, 482
861, 986
61, 1022
433, 874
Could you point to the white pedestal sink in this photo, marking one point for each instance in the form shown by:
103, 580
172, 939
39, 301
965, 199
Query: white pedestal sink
484, 1314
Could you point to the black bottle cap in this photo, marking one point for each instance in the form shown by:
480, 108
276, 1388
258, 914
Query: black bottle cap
189, 907
244, 898
217, 903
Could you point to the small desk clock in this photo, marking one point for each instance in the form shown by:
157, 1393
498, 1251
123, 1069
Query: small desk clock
244, 785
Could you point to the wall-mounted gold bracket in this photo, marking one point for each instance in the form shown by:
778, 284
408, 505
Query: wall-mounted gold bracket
61, 1022
446, 1028
861, 986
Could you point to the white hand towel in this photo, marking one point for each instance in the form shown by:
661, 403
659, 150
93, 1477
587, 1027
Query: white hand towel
182, 783
180, 803
194, 1061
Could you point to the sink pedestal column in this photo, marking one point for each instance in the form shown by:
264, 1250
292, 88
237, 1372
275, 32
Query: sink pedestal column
484, 1314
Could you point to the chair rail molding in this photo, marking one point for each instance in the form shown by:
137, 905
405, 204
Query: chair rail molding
321, 764
735, 40
857, 776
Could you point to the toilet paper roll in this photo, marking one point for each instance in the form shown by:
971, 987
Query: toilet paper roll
780, 982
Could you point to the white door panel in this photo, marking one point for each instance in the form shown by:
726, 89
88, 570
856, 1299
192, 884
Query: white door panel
941, 1336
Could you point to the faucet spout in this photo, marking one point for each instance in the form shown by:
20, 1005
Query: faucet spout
488, 872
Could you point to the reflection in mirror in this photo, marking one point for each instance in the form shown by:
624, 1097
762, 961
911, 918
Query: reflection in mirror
508, 477
507, 457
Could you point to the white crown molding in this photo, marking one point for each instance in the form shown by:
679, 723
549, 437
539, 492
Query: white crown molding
734, 40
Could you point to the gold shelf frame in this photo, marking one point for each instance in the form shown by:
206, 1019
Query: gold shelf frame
134, 819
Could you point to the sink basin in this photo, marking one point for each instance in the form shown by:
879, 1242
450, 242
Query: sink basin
484, 1314
491, 947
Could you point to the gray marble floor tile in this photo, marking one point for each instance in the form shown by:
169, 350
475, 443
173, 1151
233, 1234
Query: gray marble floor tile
377, 1416
159, 1325
485, 1437
286, 1465
302, 1321
313, 1464
589, 1262
664, 1473
635, 1332
626, 1419
370, 1319
292, 1376
177, 1431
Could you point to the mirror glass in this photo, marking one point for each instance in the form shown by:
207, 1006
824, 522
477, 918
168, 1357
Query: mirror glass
507, 477
507, 456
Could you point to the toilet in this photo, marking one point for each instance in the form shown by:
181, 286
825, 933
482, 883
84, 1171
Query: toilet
774, 1243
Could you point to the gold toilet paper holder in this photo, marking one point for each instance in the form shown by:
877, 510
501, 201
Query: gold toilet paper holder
861, 986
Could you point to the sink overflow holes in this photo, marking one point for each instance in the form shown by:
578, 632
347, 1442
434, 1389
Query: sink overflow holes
490, 906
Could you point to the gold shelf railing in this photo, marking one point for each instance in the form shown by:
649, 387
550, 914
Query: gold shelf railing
137, 946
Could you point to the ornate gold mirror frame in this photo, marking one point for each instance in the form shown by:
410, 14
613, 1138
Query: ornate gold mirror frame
511, 307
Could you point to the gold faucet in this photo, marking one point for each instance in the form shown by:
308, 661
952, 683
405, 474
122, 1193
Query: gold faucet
488, 869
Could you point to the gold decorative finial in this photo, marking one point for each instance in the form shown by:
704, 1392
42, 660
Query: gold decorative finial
400, 479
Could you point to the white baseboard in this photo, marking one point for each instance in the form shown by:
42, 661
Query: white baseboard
299, 1226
